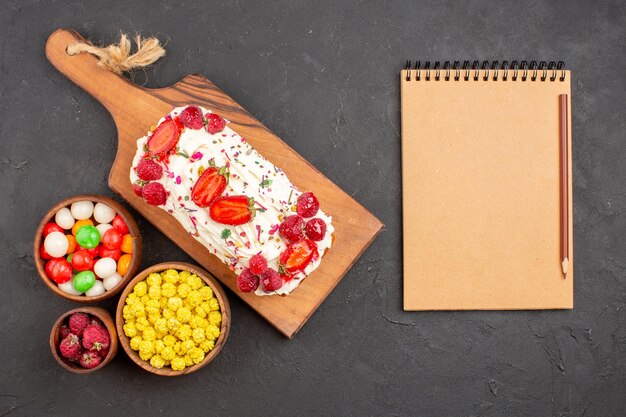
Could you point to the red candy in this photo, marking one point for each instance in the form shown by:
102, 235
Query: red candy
110, 253
51, 227
112, 239
43, 253
59, 270
119, 224
82, 260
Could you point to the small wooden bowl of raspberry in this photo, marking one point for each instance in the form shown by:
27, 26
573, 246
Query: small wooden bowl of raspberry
87, 248
84, 339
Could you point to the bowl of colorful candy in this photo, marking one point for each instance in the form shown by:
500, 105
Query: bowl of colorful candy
173, 319
84, 339
87, 248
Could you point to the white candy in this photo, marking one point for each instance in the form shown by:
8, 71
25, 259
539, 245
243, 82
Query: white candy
97, 289
68, 288
82, 210
64, 218
103, 227
56, 244
112, 281
103, 213
104, 267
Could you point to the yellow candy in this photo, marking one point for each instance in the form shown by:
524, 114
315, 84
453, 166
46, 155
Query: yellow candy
144, 298
146, 346
154, 279
176, 348
168, 290
157, 361
149, 334
168, 353
212, 330
206, 293
169, 340
128, 313
183, 314
214, 304
197, 335
163, 302
184, 332
173, 324
159, 345
134, 342
200, 312
170, 276
183, 275
160, 325
130, 330
168, 314
174, 303
193, 299
188, 360
154, 292
186, 345
183, 290
215, 317
196, 354
178, 363
140, 288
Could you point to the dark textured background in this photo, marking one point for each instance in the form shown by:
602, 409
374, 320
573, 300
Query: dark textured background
324, 77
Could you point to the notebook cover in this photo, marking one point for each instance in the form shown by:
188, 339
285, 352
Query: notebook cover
480, 183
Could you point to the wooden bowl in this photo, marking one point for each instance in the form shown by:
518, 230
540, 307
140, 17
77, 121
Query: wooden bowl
219, 294
132, 228
100, 313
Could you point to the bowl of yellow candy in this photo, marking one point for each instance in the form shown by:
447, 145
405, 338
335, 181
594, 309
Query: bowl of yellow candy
173, 319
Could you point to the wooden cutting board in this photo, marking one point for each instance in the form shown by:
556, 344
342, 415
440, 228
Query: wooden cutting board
135, 109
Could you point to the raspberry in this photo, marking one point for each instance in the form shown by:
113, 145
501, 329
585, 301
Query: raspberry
154, 194
89, 360
270, 280
247, 281
137, 189
291, 228
258, 264
78, 323
97, 322
191, 117
96, 337
315, 229
149, 170
215, 123
307, 205
64, 331
103, 353
70, 346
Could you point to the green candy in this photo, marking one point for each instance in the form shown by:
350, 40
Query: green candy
69, 257
88, 237
83, 281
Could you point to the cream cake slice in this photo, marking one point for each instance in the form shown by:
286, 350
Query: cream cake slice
235, 202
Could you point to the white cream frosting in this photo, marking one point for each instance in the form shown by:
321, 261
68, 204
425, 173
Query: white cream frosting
251, 175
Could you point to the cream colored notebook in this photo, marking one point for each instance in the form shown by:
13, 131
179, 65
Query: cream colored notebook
482, 183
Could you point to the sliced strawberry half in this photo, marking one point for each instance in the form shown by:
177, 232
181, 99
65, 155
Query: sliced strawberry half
297, 256
210, 185
232, 210
164, 137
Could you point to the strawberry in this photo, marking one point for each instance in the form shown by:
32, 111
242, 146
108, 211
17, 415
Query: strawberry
270, 280
96, 337
154, 194
291, 228
70, 346
307, 205
210, 185
232, 210
191, 117
247, 281
164, 137
214, 123
297, 256
89, 360
148, 170
315, 229
258, 264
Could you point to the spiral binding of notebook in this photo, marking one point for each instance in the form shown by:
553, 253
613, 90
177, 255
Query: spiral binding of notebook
489, 69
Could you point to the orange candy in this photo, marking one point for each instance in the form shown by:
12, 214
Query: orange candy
79, 224
123, 263
71, 247
127, 244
